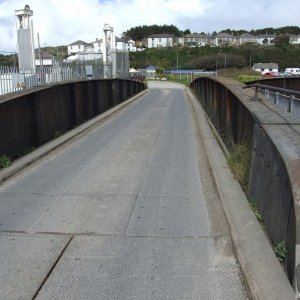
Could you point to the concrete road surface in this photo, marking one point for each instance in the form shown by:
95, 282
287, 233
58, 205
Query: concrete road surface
127, 210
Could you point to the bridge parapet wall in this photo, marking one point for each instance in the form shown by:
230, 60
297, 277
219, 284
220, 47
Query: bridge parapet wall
34, 116
274, 181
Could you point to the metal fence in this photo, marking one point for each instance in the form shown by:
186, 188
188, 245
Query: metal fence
287, 103
287, 100
188, 75
13, 79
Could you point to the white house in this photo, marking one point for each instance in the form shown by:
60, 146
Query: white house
295, 39
265, 39
160, 40
44, 58
264, 68
78, 46
196, 39
121, 44
97, 45
246, 38
131, 46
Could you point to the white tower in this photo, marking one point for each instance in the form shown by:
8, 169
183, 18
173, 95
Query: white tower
25, 38
109, 53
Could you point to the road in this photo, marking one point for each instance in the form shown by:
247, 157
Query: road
127, 210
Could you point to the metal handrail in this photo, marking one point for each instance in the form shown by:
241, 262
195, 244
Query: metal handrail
277, 89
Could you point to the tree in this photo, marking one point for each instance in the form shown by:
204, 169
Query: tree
282, 41
138, 33
187, 31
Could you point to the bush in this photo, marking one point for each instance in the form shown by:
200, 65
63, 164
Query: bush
5, 161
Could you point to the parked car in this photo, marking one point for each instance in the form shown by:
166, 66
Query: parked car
269, 75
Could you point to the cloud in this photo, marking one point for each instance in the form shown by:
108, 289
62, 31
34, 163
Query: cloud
61, 22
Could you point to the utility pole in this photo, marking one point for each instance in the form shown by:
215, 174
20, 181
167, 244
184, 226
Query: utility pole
40, 52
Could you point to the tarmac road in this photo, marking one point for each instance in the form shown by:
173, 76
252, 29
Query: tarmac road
127, 210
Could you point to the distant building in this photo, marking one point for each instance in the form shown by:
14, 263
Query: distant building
160, 40
264, 68
45, 59
195, 39
295, 39
151, 72
79, 46
265, 39
131, 46
223, 38
246, 38
97, 45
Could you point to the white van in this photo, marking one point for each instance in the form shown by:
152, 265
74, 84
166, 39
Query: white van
292, 71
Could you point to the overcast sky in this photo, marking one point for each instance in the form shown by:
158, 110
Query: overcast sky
61, 22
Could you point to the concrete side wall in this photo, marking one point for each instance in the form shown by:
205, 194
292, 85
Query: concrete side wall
32, 117
274, 182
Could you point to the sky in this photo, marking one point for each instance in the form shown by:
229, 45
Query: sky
62, 22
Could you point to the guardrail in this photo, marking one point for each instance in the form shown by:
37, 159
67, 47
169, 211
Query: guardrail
274, 181
285, 99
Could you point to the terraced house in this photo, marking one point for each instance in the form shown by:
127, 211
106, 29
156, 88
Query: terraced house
196, 39
160, 40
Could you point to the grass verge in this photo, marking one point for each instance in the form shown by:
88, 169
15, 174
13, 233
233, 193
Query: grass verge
239, 162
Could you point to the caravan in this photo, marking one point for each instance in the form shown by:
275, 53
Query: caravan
292, 71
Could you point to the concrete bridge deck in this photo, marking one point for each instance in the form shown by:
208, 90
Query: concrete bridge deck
126, 210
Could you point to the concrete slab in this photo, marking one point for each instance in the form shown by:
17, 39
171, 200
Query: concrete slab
18, 212
43, 179
143, 268
169, 217
25, 262
80, 214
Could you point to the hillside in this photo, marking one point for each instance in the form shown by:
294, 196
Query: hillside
139, 33
208, 57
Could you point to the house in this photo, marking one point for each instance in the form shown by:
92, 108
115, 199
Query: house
196, 39
97, 45
223, 38
264, 68
295, 39
160, 40
131, 46
265, 39
121, 44
78, 46
44, 58
246, 38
